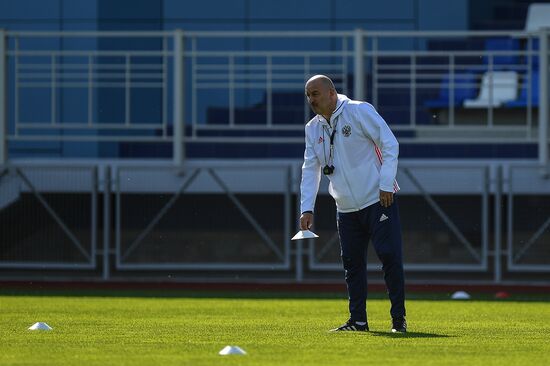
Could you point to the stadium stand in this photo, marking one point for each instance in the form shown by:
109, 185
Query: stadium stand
464, 87
529, 92
173, 146
497, 88
538, 16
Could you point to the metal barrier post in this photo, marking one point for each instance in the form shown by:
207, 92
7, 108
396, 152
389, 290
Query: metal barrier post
178, 121
106, 221
359, 70
498, 225
288, 213
3, 96
298, 249
299, 264
543, 101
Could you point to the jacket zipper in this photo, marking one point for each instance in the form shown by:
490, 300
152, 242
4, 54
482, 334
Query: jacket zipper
349, 188
346, 180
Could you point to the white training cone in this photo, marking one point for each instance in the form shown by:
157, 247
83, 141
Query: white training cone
460, 295
304, 234
40, 326
232, 350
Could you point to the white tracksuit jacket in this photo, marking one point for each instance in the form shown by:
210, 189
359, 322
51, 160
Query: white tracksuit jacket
364, 159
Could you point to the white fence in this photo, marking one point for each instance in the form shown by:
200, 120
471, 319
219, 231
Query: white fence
213, 222
247, 87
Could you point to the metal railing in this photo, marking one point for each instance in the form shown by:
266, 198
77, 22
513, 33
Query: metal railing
463, 244
171, 87
57, 74
165, 239
528, 220
47, 222
212, 219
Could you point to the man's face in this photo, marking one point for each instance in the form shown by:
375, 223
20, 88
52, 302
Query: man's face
319, 97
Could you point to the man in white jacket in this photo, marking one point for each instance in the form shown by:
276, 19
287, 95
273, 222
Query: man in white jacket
350, 143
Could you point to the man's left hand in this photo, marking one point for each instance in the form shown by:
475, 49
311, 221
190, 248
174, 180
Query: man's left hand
386, 198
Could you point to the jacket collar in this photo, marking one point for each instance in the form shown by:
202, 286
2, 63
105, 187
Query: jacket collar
340, 104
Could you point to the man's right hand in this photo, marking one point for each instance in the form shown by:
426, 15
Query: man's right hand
306, 221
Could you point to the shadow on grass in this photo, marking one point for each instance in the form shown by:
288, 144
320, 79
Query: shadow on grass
409, 335
192, 294
258, 293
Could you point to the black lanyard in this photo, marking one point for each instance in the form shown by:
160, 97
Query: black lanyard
331, 149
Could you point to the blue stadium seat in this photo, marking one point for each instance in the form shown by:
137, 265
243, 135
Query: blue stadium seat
501, 62
522, 100
465, 87
535, 59
288, 108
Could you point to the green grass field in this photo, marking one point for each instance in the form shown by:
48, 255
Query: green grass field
191, 328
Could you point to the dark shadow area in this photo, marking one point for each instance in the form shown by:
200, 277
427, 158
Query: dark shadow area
259, 293
409, 335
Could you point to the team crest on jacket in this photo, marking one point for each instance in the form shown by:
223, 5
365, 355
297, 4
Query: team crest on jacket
346, 130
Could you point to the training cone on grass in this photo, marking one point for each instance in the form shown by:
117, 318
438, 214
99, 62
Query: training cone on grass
460, 295
40, 326
232, 350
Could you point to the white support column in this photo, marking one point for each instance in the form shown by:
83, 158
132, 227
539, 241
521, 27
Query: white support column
178, 120
543, 100
497, 251
107, 229
359, 70
3, 98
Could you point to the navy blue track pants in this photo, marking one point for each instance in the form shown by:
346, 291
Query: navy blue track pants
382, 225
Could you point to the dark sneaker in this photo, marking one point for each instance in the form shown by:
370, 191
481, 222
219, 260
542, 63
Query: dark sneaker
399, 325
352, 326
